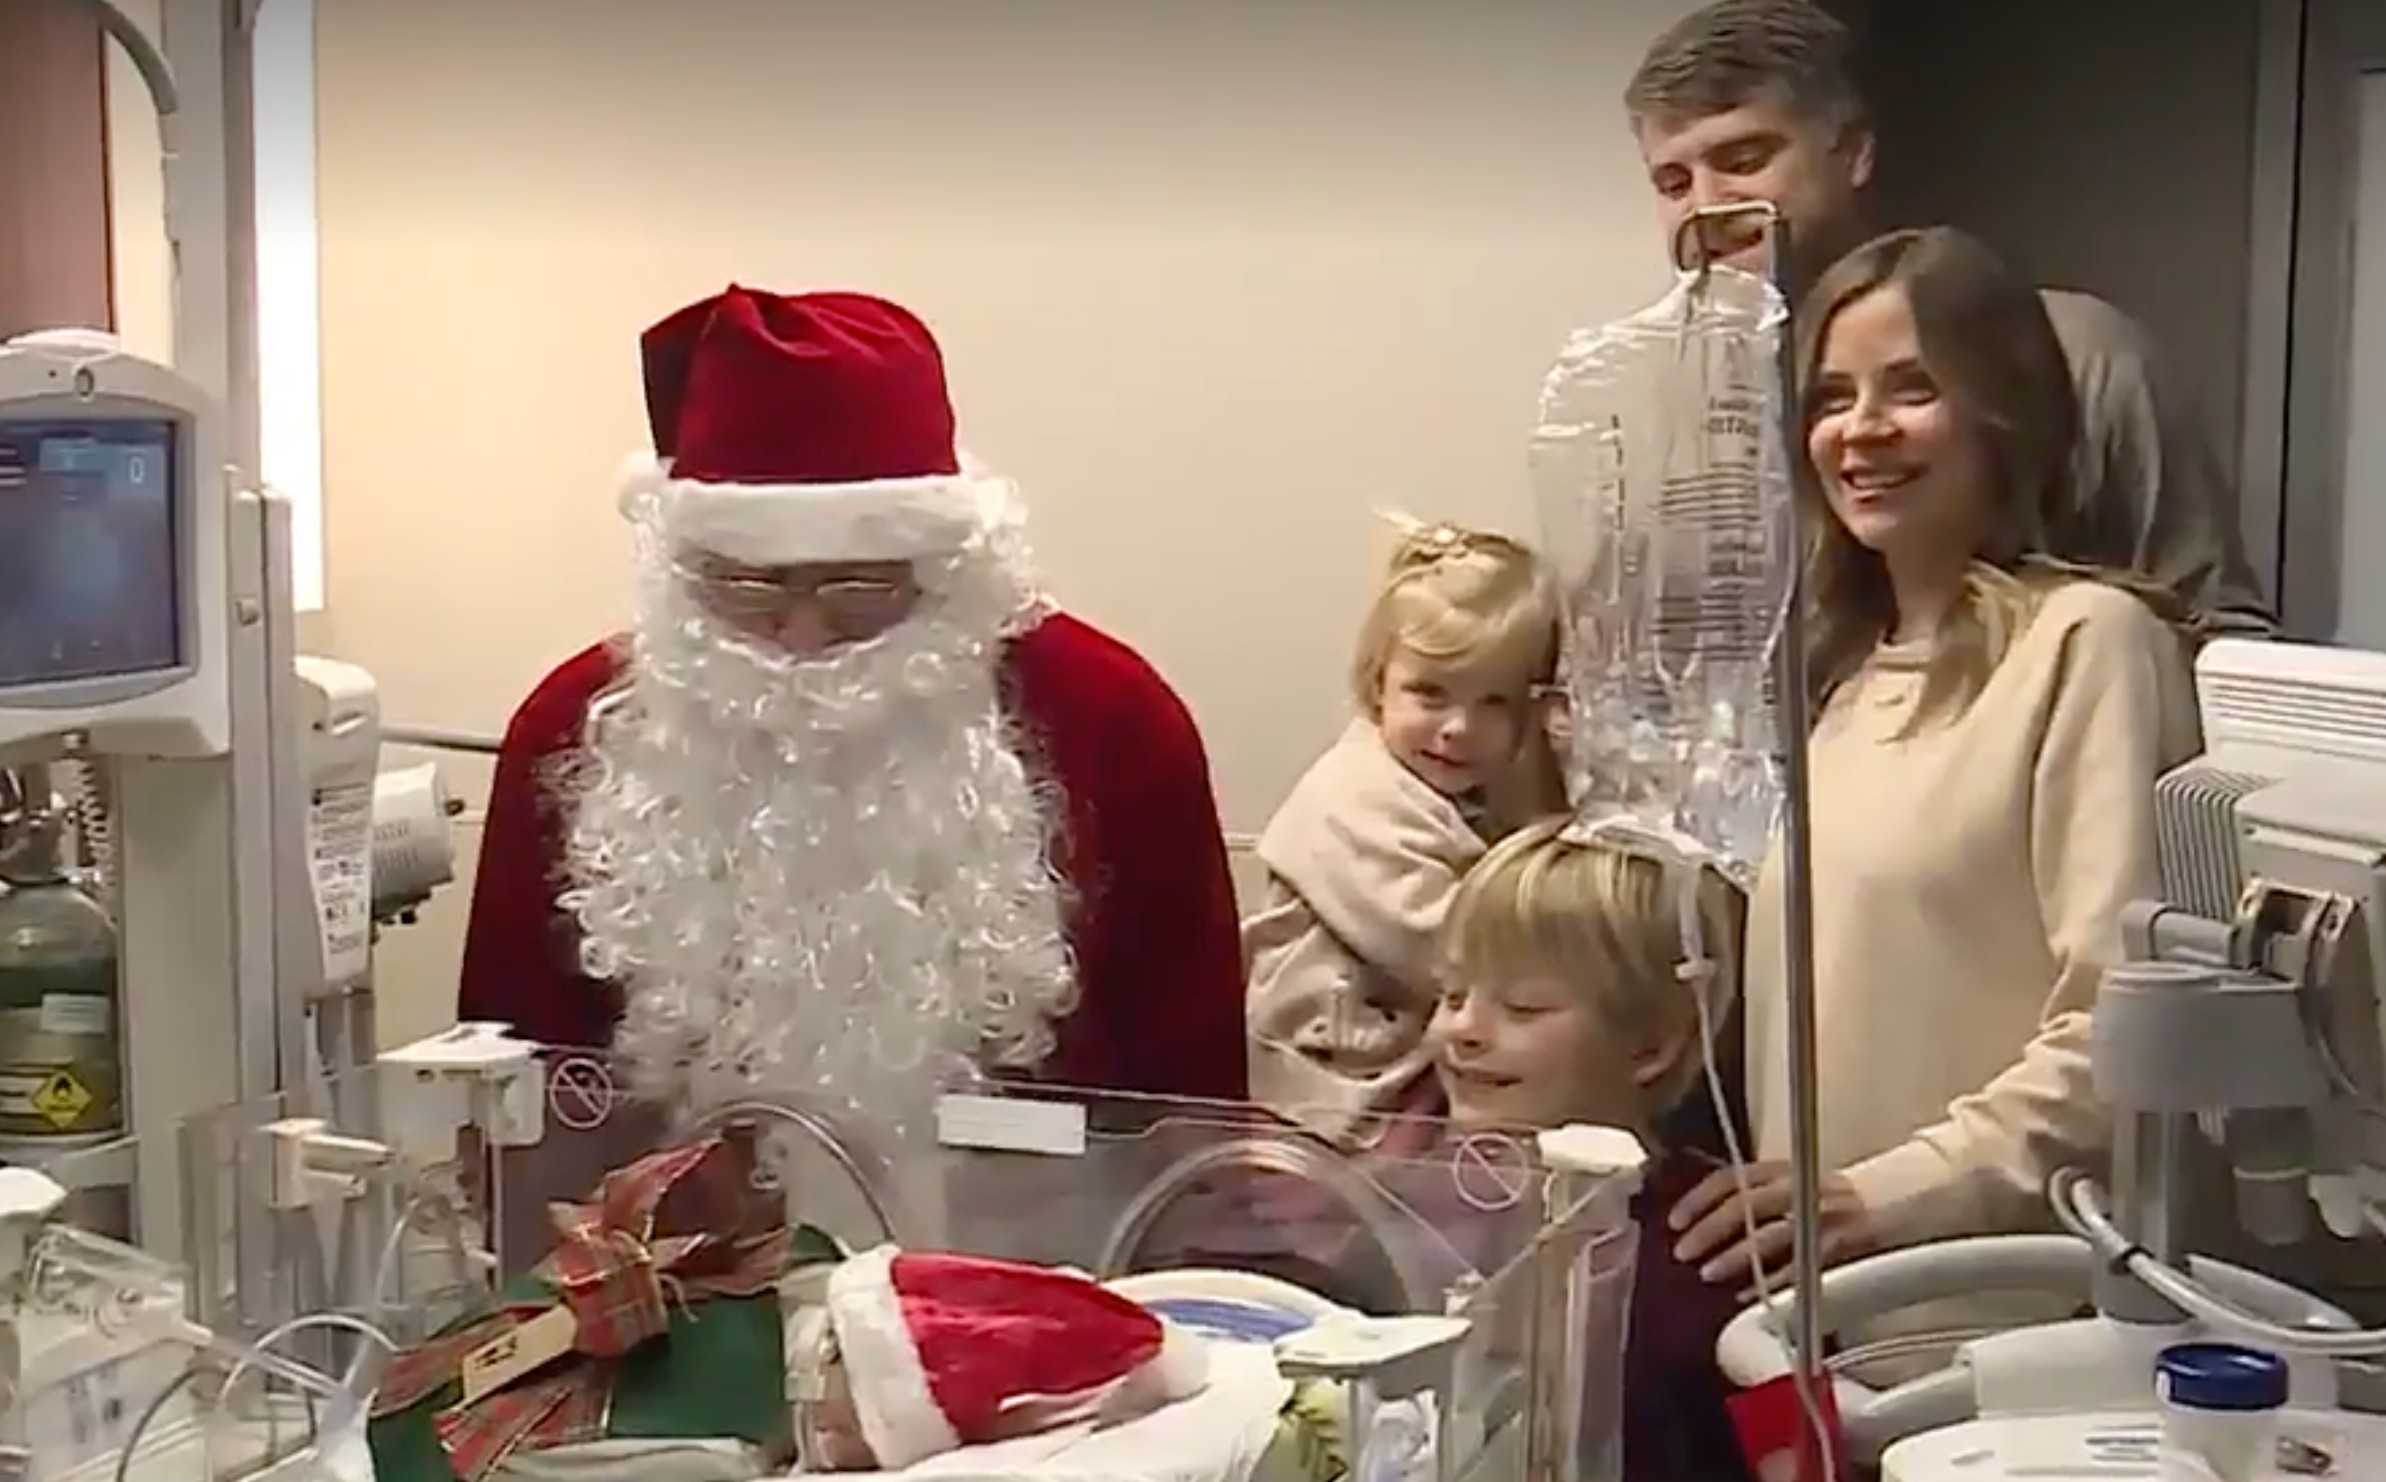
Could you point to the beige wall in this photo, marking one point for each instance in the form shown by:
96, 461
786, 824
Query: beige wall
1216, 278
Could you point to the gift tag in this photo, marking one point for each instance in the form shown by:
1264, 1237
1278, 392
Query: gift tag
507, 1357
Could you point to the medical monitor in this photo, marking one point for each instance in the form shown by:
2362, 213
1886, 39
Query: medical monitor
89, 582
115, 602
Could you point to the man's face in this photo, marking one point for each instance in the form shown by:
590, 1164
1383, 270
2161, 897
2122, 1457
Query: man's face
806, 610
1812, 169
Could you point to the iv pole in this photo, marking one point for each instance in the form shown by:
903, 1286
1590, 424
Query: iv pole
1797, 858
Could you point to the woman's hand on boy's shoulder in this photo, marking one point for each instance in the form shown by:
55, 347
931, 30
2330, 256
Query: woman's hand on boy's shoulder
1711, 1224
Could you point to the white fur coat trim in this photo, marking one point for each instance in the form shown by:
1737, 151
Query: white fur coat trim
792, 524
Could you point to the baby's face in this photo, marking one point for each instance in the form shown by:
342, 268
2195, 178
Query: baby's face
1531, 1053
833, 1441
1449, 725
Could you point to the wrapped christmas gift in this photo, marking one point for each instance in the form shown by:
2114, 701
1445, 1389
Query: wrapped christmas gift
655, 1319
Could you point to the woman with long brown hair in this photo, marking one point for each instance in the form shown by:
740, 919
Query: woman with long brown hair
1989, 724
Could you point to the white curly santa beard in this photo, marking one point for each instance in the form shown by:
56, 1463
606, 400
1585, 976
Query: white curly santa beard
825, 878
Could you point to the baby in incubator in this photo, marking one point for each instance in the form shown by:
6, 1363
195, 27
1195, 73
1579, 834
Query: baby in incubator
1566, 1000
1365, 855
913, 1355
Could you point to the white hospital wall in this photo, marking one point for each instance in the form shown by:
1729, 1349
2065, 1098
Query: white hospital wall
1215, 279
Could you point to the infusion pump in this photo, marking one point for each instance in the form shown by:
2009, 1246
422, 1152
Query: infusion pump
114, 613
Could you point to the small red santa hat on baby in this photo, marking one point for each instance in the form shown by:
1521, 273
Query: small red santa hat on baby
945, 1350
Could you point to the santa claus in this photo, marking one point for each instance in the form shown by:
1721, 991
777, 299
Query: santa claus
851, 801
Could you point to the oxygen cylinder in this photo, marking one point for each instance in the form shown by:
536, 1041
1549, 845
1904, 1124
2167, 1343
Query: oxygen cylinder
59, 1068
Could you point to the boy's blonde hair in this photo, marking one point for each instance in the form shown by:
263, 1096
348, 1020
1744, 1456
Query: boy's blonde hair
1460, 599
1601, 919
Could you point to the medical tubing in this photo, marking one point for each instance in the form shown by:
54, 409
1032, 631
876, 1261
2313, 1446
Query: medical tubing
1696, 962
2081, 1210
146, 58
259, 1354
390, 1250
289, 1371
430, 1202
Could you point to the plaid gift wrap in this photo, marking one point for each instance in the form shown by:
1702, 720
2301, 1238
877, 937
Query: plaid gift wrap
620, 1279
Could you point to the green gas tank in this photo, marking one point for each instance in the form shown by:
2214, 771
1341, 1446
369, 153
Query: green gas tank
60, 1074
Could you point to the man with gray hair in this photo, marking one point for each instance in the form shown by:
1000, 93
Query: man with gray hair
1753, 100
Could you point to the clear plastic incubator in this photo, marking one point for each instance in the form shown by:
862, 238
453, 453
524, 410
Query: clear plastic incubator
494, 1262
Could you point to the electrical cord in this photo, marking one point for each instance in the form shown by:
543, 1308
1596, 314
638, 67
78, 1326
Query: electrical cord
132, 1441
2363, 1102
2366, 1102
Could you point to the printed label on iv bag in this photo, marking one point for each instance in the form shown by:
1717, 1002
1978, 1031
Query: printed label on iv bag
340, 852
1736, 402
1715, 513
1678, 572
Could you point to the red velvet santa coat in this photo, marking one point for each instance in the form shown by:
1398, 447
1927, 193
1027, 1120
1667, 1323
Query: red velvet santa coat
1151, 913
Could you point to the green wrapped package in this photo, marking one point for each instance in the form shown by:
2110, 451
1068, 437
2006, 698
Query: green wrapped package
718, 1372
666, 1288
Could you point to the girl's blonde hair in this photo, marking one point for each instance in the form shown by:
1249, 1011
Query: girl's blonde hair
1602, 919
1985, 335
1460, 599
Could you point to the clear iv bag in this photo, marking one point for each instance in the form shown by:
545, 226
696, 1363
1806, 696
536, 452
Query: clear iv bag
1664, 499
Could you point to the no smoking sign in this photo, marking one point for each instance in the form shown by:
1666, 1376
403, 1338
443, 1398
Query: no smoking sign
1491, 1171
580, 1092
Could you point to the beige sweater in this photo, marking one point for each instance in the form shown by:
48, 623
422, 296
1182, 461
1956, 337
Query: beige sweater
1968, 885
1342, 957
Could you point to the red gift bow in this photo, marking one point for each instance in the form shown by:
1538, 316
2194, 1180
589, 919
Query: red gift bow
618, 1280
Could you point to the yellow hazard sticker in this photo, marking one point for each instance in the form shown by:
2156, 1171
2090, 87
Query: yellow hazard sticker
62, 1099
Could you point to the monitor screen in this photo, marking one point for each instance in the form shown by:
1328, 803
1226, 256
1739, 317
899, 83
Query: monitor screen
88, 585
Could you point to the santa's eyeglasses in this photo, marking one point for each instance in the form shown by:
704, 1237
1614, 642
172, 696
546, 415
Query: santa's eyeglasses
851, 606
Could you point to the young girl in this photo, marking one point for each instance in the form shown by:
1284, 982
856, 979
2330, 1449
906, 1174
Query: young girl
1364, 856
1565, 1001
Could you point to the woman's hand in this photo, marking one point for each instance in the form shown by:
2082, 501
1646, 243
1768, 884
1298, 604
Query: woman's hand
1712, 1224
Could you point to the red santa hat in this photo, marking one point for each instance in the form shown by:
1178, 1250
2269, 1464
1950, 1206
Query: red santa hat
940, 1348
811, 427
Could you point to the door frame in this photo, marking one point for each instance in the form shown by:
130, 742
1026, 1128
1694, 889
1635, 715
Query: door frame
2340, 41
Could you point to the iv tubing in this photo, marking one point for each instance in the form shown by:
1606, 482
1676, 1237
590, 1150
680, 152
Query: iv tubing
260, 1353
1789, 683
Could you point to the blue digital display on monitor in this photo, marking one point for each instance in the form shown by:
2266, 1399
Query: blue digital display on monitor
88, 579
